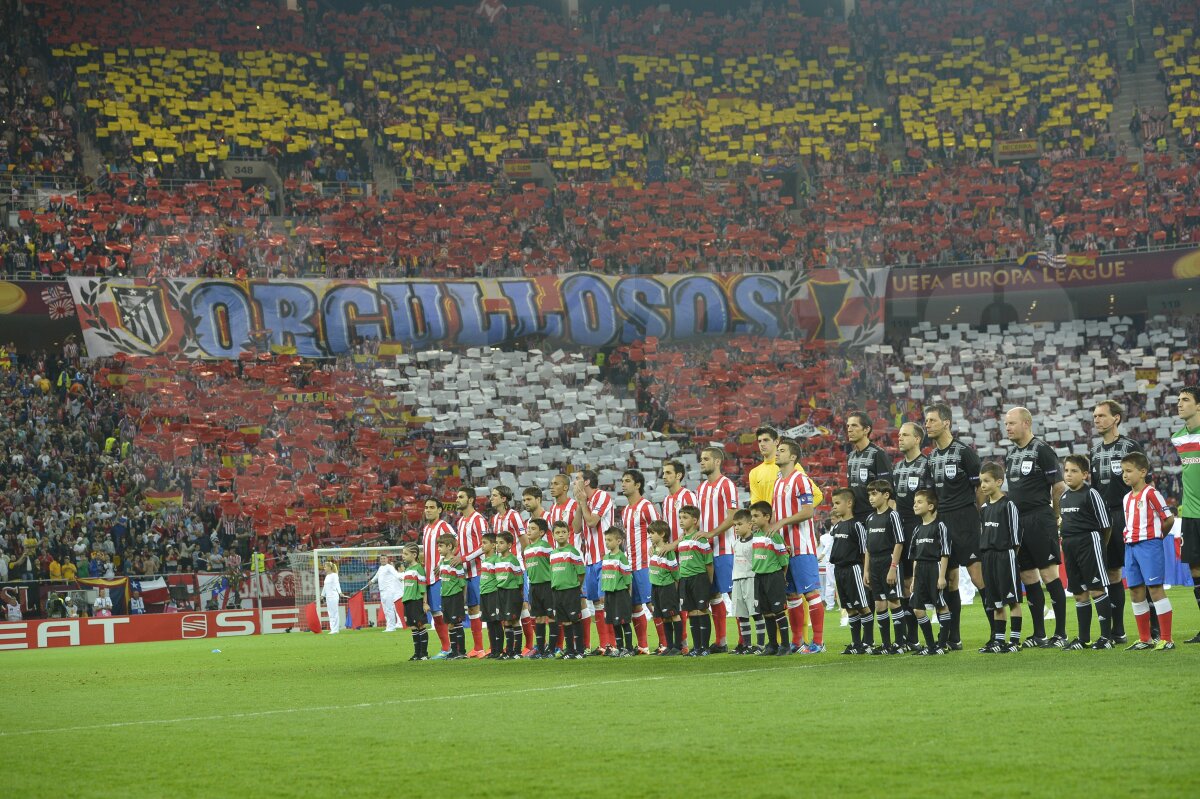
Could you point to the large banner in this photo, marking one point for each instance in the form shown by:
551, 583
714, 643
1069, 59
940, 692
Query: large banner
45, 633
48, 298
204, 318
1108, 270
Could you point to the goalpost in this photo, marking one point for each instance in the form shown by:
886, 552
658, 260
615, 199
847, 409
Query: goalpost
356, 566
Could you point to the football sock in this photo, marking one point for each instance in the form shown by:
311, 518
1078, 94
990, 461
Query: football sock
910, 622
1037, 608
679, 641
719, 624
998, 629
868, 629
772, 630
561, 637
944, 622
1014, 629
1141, 615
694, 625
954, 605
660, 628
639, 627
705, 631
541, 638
1116, 601
457, 641
760, 629
603, 631
628, 632
796, 619
987, 612
477, 631
781, 622
1083, 611
443, 631
898, 625
1104, 615
1154, 628
816, 617
1196, 593
743, 631
586, 632
1163, 608
514, 640
417, 636
855, 631
1058, 599
527, 625
885, 629
926, 625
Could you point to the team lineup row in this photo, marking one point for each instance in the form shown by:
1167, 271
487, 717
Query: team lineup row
899, 531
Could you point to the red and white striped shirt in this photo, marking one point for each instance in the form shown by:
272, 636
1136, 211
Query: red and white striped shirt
716, 501
636, 520
1144, 515
429, 550
592, 542
564, 512
791, 493
511, 522
671, 506
470, 541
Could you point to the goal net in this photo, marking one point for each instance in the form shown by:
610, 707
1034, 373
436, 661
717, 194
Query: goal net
356, 566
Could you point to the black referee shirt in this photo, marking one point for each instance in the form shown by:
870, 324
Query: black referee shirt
1000, 526
1106, 469
907, 477
954, 474
930, 541
849, 543
1083, 511
872, 463
1031, 471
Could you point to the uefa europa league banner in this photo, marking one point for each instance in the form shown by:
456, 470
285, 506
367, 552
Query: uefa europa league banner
205, 318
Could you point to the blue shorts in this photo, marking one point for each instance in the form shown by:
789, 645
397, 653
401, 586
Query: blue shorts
591, 583
434, 597
473, 592
804, 574
1145, 563
640, 588
722, 582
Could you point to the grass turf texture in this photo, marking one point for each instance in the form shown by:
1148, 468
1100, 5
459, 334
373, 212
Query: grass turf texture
305, 715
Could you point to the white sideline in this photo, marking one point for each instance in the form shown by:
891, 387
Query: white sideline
389, 702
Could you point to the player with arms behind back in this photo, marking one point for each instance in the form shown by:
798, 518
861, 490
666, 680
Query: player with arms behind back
999, 541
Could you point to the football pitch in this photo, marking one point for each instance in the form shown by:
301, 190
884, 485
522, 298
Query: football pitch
304, 715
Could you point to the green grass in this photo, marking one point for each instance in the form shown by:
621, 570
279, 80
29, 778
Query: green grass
347, 716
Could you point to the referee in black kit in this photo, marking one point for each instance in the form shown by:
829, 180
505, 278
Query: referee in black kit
865, 464
1035, 486
953, 471
1106, 479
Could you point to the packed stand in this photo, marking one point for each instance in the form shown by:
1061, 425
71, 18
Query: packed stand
37, 105
1176, 48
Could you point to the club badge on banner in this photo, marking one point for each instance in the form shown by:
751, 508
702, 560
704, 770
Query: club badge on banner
205, 318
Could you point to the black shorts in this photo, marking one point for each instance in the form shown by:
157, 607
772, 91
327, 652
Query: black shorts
566, 604
879, 588
925, 586
665, 599
1084, 556
489, 606
454, 607
618, 606
1190, 528
1114, 545
1039, 539
770, 592
509, 602
414, 613
964, 527
852, 594
695, 592
1001, 583
541, 600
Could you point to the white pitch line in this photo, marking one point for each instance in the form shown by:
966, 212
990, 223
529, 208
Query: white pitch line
386, 703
